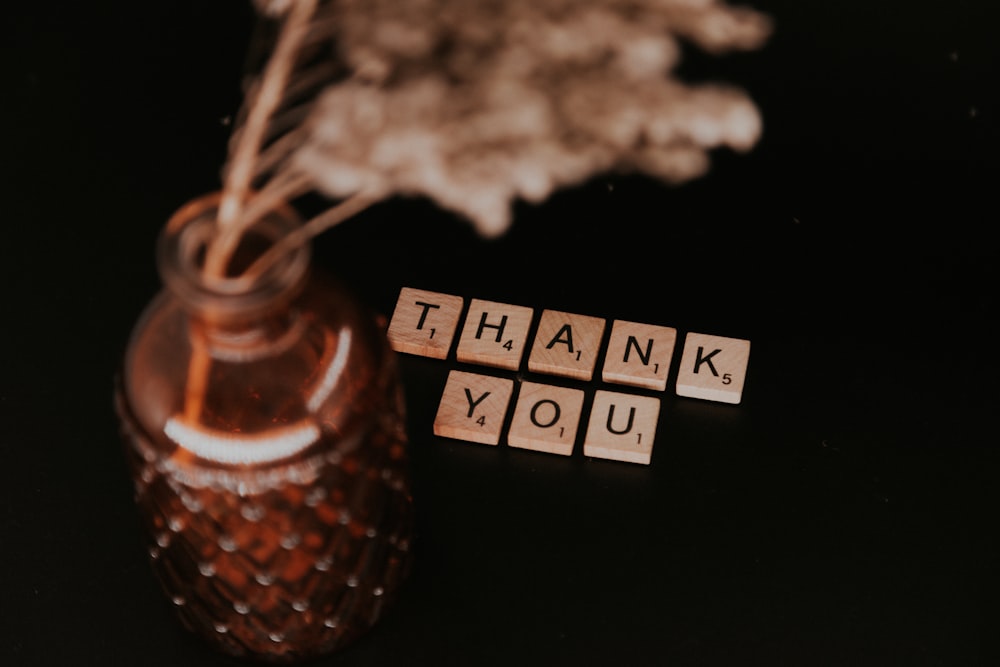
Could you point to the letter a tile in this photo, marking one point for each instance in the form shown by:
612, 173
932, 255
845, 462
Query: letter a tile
494, 334
566, 345
622, 427
546, 418
473, 407
639, 355
424, 323
713, 368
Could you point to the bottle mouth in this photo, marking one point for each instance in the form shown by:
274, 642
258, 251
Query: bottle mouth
182, 247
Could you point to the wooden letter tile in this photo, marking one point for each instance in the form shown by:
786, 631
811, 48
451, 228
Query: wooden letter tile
546, 418
622, 427
494, 334
713, 368
473, 407
639, 355
424, 323
566, 345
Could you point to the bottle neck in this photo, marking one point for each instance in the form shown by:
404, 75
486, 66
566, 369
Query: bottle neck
231, 302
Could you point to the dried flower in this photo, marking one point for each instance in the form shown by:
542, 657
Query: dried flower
477, 104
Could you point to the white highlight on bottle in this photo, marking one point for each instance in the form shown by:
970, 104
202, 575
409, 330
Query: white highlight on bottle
242, 448
333, 372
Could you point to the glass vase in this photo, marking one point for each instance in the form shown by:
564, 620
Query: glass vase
264, 429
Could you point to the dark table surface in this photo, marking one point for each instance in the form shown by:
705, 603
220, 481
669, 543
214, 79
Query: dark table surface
843, 514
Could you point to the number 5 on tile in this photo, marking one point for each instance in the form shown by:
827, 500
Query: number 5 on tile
713, 368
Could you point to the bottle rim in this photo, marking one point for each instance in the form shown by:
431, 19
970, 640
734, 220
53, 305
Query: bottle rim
180, 251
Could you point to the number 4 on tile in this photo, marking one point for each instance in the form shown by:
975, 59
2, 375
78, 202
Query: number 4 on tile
473, 407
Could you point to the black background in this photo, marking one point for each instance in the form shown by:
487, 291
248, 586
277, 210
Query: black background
843, 514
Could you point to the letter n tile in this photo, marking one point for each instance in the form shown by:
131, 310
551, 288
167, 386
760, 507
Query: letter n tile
639, 355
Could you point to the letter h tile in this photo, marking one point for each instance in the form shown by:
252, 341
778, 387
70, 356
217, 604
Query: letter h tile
494, 334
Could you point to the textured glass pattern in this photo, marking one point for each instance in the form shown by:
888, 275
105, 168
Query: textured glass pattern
267, 444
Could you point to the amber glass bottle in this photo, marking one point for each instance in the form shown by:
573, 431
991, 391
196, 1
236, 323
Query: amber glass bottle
265, 432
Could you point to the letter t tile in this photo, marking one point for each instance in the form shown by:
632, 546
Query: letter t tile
424, 323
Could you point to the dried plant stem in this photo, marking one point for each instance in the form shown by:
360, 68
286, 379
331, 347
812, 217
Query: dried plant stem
199, 367
276, 194
329, 218
267, 99
275, 156
200, 363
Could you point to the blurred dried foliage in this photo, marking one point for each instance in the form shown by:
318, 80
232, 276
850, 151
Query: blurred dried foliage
477, 104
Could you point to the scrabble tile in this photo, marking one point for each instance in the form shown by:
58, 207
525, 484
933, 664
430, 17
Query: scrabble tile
546, 418
473, 407
424, 323
494, 334
639, 355
566, 345
713, 368
622, 427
